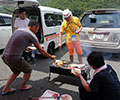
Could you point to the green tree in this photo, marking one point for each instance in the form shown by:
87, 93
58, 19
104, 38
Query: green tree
79, 6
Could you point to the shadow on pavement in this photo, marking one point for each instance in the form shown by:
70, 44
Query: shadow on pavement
63, 79
39, 87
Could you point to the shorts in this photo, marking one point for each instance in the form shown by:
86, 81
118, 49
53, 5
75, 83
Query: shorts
74, 45
18, 66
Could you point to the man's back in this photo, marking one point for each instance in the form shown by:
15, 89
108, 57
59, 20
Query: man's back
108, 85
18, 43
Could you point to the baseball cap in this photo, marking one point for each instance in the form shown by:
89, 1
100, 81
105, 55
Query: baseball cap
67, 13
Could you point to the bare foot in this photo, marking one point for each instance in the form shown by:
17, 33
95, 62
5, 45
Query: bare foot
26, 87
10, 90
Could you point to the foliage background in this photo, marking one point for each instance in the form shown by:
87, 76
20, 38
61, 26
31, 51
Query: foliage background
79, 6
76, 6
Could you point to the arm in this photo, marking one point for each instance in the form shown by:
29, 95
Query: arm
15, 25
60, 40
43, 52
85, 84
15, 28
80, 28
83, 81
62, 29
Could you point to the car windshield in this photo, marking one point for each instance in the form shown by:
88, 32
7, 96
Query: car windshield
102, 21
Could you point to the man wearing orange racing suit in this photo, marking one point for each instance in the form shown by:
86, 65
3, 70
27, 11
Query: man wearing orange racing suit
71, 26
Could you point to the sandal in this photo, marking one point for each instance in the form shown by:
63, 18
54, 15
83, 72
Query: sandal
9, 91
27, 87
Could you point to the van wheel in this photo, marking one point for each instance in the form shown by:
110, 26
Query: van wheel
51, 49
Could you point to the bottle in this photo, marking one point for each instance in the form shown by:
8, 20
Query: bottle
33, 53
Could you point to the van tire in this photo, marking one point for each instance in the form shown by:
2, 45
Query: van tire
51, 48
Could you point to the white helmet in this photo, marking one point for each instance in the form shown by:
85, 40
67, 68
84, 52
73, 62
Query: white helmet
67, 13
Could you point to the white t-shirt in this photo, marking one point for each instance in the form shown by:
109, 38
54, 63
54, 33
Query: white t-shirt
19, 23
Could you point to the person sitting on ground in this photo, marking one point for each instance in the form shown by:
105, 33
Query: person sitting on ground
12, 55
104, 85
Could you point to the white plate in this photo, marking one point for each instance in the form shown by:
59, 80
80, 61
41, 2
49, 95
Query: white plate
32, 48
66, 97
75, 70
77, 65
47, 94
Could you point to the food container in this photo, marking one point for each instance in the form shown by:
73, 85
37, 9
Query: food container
76, 70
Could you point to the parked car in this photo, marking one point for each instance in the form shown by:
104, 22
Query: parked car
101, 30
5, 29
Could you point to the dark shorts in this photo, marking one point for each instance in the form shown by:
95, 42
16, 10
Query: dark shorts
84, 95
18, 66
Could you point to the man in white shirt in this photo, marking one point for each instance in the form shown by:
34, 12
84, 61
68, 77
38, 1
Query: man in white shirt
22, 21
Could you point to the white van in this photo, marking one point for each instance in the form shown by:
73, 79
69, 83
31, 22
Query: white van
50, 20
5, 29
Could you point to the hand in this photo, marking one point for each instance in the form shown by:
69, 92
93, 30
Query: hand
77, 32
60, 46
53, 57
27, 49
76, 72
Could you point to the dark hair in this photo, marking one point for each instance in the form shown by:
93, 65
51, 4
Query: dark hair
95, 59
33, 22
21, 10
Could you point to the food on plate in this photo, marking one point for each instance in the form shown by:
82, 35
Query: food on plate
75, 70
65, 97
59, 65
59, 62
55, 95
76, 65
64, 62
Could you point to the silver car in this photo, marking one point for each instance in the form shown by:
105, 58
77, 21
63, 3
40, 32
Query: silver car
101, 30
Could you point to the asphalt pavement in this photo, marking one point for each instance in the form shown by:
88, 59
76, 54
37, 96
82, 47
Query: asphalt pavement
39, 78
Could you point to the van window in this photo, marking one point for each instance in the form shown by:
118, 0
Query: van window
8, 21
58, 19
53, 19
5, 21
2, 23
36, 18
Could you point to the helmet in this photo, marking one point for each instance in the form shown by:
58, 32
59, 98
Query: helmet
67, 13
